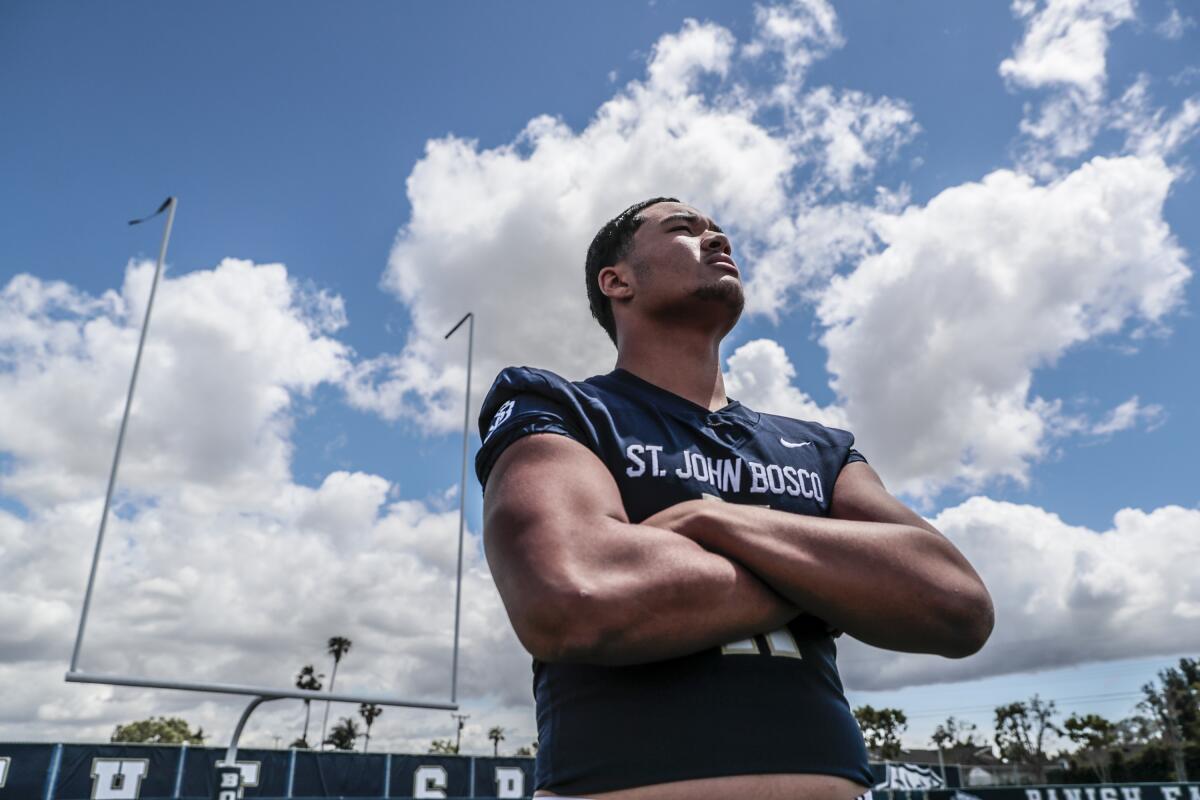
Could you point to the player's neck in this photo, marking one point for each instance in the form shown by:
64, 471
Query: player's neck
681, 362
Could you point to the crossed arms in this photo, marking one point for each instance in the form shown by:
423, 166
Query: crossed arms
581, 583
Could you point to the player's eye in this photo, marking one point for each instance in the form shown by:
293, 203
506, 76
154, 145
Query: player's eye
681, 228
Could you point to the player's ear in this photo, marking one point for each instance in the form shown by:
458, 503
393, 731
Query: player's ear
615, 282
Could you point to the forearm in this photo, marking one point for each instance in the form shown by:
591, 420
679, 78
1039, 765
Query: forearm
660, 595
895, 586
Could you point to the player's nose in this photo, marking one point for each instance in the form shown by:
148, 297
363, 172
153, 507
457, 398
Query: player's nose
718, 241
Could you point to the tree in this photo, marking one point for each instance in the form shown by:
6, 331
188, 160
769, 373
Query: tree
953, 733
1134, 731
337, 647
369, 712
1095, 736
1140, 753
881, 729
1173, 708
443, 746
1021, 730
344, 734
307, 679
300, 744
531, 750
158, 730
496, 734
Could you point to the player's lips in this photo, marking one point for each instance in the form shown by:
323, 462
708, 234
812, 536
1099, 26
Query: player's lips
725, 262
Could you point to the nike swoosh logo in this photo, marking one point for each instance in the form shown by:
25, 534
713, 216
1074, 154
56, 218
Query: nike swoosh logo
786, 443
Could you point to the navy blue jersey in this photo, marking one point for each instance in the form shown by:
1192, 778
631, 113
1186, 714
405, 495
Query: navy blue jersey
771, 704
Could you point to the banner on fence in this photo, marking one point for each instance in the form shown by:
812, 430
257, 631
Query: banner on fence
1108, 791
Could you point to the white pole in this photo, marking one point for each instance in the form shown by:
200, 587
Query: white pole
170, 205
462, 499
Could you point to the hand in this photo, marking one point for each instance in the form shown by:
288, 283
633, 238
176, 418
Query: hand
680, 518
706, 522
701, 521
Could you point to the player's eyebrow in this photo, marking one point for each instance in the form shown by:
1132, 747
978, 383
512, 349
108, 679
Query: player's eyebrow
689, 217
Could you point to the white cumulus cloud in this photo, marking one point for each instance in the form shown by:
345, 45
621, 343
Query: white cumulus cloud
1127, 415
801, 33
1150, 130
229, 350
1065, 43
1064, 54
934, 340
503, 231
1174, 25
1064, 51
851, 132
760, 375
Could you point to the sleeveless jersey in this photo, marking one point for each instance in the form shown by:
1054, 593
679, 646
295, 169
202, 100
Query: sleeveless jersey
771, 704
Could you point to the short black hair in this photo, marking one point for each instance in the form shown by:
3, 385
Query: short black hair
609, 246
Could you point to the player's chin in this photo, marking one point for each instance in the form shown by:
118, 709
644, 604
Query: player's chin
726, 290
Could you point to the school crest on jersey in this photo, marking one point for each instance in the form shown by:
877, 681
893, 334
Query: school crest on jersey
504, 412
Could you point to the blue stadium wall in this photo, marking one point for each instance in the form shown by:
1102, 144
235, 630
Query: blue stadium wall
156, 772
159, 772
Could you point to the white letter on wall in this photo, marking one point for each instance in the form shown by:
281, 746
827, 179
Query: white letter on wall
429, 781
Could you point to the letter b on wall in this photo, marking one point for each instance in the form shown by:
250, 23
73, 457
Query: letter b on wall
229, 782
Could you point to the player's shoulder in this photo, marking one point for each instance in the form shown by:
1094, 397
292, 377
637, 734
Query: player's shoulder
518, 388
805, 430
517, 380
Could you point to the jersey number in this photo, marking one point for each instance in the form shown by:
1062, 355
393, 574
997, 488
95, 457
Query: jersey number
780, 642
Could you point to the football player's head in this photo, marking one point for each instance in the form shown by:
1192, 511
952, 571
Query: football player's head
663, 259
611, 245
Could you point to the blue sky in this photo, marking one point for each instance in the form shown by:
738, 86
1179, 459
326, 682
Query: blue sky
332, 140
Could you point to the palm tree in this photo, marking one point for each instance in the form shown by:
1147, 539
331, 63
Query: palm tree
307, 679
496, 734
344, 734
337, 647
370, 712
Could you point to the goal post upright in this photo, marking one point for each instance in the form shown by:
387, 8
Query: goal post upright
169, 205
260, 694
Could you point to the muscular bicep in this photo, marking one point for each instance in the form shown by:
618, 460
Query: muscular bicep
859, 494
544, 508
549, 474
